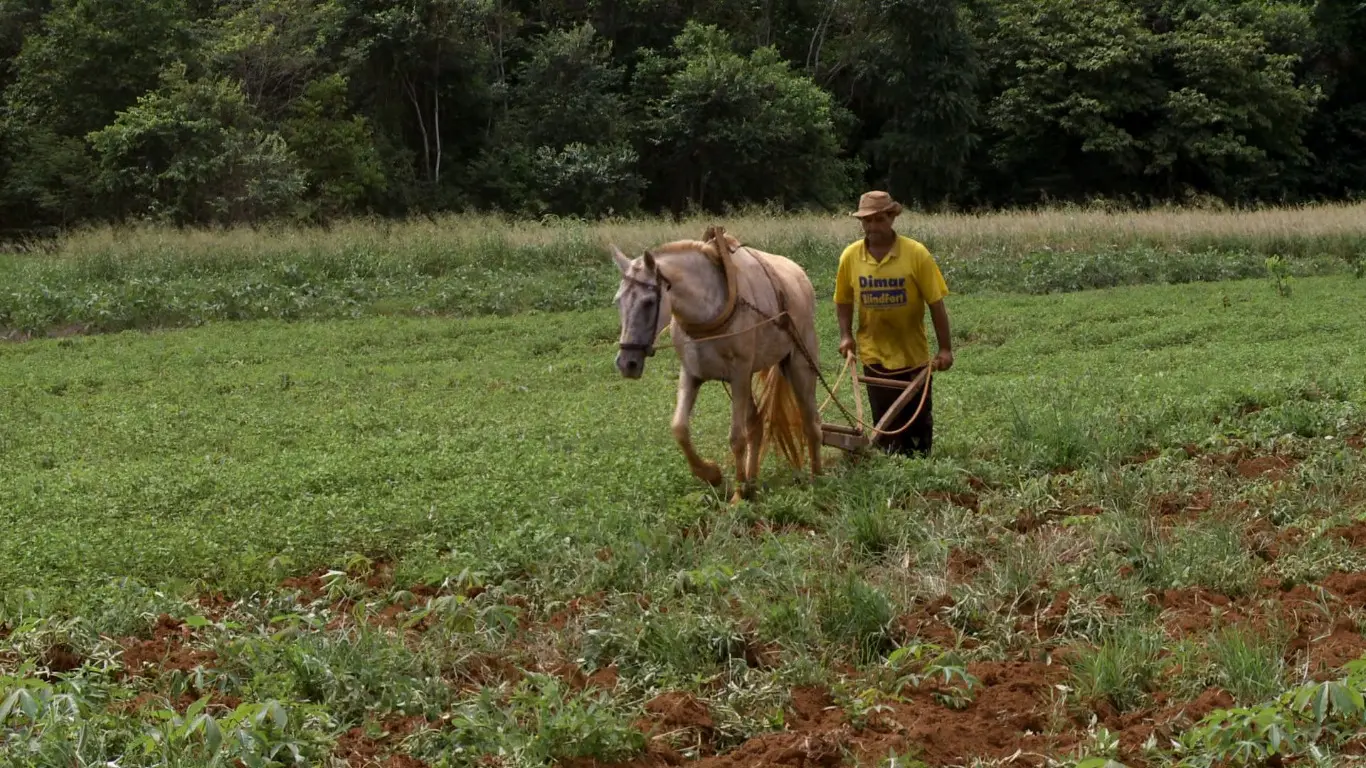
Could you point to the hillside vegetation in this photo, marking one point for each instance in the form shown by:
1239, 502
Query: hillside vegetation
251, 110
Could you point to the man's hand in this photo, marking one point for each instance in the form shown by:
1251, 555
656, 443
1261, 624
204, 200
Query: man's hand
942, 361
847, 347
845, 313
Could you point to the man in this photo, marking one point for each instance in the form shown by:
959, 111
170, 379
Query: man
890, 279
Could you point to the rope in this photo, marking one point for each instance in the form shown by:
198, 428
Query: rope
855, 420
923, 379
773, 319
850, 365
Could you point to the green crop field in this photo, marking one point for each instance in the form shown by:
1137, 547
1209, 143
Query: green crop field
378, 496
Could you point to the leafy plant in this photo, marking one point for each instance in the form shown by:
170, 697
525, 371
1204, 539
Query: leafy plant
1281, 278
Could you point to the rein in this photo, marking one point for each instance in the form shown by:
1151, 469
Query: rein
695, 332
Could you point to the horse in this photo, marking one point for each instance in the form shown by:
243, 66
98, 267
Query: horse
739, 315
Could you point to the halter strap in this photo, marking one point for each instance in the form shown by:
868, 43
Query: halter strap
658, 287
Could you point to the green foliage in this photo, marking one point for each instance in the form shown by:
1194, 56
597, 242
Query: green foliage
86, 61
590, 110
564, 146
1147, 104
722, 128
335, 150
194, 152
1122, 671
1279, 271
914, 71
1067, 80
46, 724
1300, 722
541, 722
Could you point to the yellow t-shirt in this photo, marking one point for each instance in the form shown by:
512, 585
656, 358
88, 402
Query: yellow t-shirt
891, 297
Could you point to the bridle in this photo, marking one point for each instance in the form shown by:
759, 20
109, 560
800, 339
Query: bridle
648, 348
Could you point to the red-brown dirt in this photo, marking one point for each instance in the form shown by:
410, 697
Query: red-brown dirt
218, 704
1182, 505
1321, 634
1194, 610
60, 659
965, 500
1010, 712
1017, 708
926, 624
603, 679
168, 649
963, 565
1016, 712
357, 748
1269, 467
215, 604
1354, 534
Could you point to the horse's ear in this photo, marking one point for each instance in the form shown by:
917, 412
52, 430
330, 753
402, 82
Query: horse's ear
650, 262
623, 263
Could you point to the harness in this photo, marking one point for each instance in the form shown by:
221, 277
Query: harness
658, 287
782, 319
715, 235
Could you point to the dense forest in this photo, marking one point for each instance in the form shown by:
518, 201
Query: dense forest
235, 111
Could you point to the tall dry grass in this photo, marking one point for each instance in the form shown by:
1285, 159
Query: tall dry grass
1330, 229
109, 278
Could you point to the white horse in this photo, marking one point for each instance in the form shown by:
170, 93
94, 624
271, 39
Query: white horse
738, 315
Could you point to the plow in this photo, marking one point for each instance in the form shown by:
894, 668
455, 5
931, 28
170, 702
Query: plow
853, 437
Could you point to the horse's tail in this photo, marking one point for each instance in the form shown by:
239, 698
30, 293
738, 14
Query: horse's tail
781, 417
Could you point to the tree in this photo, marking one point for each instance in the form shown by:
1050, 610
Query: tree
721, 129
425, 64
88, 60
909, 70
563, 146
335, 149
1336, 136
1234, 117
1144, 101
1072, 95
193, 152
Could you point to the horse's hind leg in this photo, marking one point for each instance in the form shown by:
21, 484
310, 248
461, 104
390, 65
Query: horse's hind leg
705, 470
755, 439
803, 378
742, 412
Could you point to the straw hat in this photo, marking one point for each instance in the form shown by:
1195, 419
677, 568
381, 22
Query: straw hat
873, 203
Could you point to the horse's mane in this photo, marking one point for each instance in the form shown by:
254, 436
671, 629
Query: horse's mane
707, 247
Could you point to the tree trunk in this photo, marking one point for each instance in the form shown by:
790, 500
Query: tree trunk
421, 126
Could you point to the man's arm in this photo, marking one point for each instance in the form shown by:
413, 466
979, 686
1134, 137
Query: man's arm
845, 312
940, 314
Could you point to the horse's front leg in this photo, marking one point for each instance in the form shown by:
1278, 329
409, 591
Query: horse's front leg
705, 470
741, 406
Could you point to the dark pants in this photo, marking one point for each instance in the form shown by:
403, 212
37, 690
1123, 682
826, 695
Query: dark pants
918, 437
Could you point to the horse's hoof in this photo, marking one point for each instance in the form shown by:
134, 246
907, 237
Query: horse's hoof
711, 474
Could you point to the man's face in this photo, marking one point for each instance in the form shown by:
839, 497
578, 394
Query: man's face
878, 227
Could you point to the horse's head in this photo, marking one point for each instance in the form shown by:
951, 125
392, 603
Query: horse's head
642, 301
